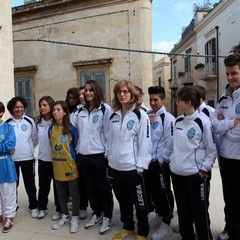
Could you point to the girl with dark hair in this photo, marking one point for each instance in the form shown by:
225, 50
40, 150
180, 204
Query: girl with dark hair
45, 168
26, 141
63, 138
92, 125
129, 154
72, 99
193, 153
81, 104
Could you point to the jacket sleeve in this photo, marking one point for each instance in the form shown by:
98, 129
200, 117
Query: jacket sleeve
168, 135
106, 122
143, 156
34, 134
74, 135
210, 147
9, 142
234, 134
221, 126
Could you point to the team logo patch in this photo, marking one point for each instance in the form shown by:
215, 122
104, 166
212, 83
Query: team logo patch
130, 124
64, 138
95, 118
24, 127
191, 133
155, 125
237, 109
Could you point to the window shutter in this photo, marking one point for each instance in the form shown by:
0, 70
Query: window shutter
24, 89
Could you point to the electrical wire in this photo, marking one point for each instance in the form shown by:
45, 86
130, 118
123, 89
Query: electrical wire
114, 49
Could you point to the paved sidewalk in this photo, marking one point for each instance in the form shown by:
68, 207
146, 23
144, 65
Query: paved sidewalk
26, 228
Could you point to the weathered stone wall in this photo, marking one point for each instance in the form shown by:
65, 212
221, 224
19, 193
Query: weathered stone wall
6, 56
119, 24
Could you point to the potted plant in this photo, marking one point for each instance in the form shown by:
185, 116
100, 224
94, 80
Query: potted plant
236, 49
199, 65
181, 74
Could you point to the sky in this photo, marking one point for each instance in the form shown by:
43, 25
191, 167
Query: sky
168, 19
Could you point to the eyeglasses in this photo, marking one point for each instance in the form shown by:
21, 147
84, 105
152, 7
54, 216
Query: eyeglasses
125, 92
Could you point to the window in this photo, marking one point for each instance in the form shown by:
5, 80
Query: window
99, 70
188, 64
175, 71
23, 88
210, 49
98, 76
159, 81
187, 60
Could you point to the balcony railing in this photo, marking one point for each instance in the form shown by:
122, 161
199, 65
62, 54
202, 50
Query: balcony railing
187, 78
172, 83
211, 69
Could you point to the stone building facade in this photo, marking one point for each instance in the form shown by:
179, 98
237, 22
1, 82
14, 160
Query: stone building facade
59, 44
6, 56
161, 75
209, 38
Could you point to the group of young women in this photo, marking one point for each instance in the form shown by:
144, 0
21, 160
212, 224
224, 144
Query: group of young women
105, 144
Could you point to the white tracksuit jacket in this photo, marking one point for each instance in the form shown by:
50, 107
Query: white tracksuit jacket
92, 130
161, 134
192, 149
26, 138
129, 142
229, 136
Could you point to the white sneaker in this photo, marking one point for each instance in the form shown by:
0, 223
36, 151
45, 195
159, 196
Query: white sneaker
155, 222
42, 213
82, 214
163, 232
74, 224
65, 219
34, 213
94, 222
223, 235
56, 216
106, 226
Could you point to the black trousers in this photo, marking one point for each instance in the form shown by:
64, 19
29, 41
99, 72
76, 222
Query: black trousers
28, 174
230, 173
158, 189
129, 190
93, 169
82, 191
191, 194
45, 176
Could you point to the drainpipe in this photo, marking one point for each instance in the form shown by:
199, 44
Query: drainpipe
217, 59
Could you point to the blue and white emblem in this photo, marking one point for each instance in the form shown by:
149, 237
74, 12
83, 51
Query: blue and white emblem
95, 118
155, 125
24, 127
130, 124
64, 138
237, 109
191, 133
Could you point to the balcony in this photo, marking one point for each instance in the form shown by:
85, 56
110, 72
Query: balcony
210, 71
173, 83
187, 79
